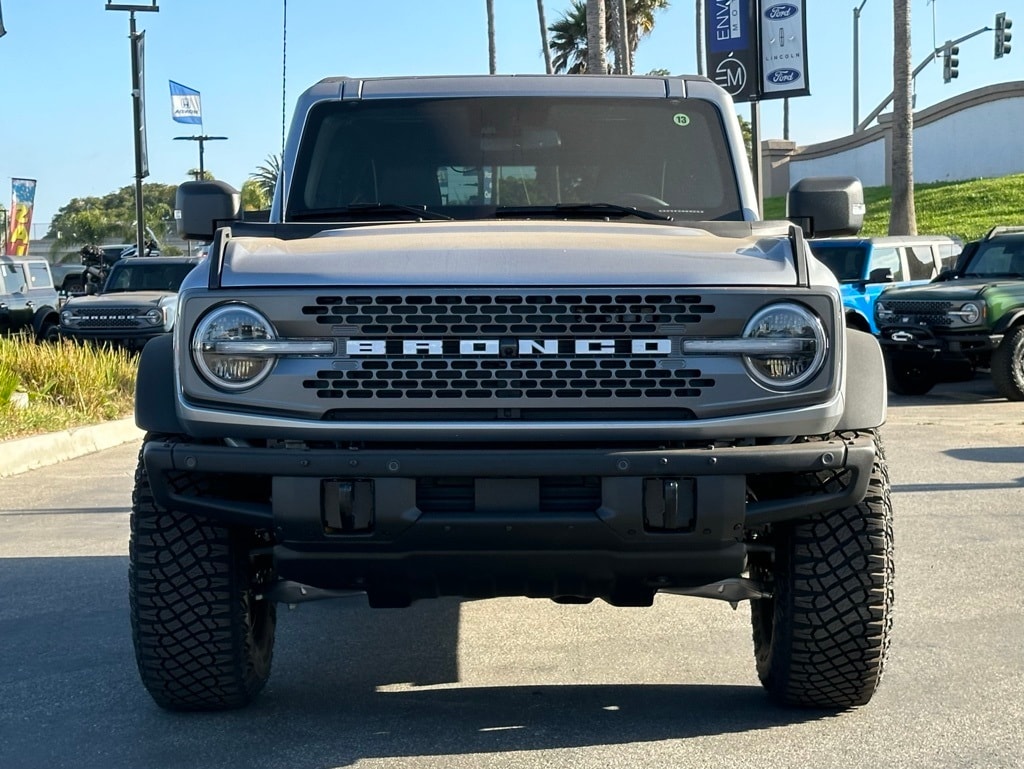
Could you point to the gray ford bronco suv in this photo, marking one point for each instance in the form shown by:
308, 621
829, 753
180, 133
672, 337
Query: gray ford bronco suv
512, 336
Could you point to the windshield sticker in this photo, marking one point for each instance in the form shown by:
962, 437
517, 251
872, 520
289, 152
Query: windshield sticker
681, 119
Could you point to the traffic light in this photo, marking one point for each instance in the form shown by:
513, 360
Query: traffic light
950, 63
1003, 36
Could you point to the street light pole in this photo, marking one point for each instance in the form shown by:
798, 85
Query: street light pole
141, 163
856, 64
202, 141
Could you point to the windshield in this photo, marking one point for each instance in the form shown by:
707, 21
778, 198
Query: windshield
846, 262
1002, 257
472, 157
141, 275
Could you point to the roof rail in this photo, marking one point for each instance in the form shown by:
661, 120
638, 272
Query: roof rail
1003, 230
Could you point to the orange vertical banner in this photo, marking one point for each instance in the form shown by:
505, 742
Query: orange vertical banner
23, 196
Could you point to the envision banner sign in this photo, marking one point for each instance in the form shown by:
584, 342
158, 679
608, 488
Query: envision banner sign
756, 49
732, 47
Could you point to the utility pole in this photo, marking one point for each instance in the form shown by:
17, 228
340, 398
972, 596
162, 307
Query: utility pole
138, 113
856, 64
938, 52
202, 140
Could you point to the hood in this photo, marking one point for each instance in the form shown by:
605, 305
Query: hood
949, 290
515, 253
121, 299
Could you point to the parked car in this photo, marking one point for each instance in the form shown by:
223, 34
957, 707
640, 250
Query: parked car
969, 318
867, 266
28, 300
136, 303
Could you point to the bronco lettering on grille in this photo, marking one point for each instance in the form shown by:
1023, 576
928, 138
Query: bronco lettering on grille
507, 348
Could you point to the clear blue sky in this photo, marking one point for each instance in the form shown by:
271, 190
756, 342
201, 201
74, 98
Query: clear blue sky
66, 115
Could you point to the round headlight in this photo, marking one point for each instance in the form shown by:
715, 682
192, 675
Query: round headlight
67, 317
155, 316
970, 313
794, 345
231, 370
882, 311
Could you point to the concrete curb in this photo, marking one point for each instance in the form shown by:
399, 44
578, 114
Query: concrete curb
24, 454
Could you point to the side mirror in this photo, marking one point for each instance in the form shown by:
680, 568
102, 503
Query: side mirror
827, 206
880, 275
200, 206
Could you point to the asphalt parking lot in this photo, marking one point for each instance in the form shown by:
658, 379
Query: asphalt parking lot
520, 683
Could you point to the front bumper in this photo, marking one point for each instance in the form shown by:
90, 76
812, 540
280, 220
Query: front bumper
922, 343
427, 522
131, 339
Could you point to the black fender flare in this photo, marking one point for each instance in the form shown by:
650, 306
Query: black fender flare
867, 395
1008, 321
154, 388
47, 314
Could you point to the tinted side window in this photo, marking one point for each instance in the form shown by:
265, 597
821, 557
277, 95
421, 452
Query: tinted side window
890, 259
13, 276
38, 276
920, 262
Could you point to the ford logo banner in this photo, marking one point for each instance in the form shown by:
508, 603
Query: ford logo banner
780, 11
780, 76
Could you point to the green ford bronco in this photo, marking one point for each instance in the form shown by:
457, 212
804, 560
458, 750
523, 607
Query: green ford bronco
968, 318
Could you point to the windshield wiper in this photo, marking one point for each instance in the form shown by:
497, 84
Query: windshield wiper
361, 210
583, 210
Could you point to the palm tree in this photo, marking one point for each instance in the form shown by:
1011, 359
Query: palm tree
266, 175
569, 34
569, 40
640, 22
491, 44
618, 40
597, 39
902, 216
544, 37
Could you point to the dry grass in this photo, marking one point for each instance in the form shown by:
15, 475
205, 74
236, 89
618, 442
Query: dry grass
68, 385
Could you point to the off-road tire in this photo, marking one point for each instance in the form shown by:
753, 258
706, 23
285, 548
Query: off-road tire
908, 379
203, 638
1008, 365
822, 639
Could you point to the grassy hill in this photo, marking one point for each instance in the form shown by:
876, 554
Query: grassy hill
967, 209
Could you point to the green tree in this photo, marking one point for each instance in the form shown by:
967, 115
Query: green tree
254, 197
89, 220
266, 175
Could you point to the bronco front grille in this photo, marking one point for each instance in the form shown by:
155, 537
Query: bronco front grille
929, 312
559, 318
450, 379
109, 317
469, 314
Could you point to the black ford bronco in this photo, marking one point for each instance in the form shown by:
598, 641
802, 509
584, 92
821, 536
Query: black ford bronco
512, 336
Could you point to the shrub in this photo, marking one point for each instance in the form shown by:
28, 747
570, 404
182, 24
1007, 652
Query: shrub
68, 385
